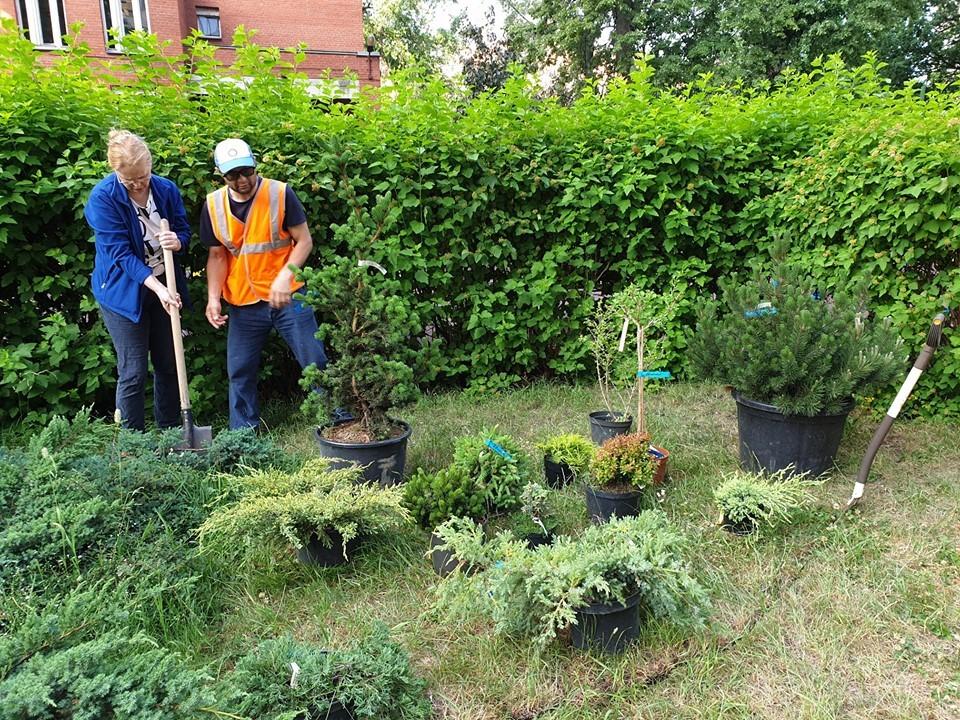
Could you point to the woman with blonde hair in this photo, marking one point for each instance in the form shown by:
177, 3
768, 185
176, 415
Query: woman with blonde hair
124, 211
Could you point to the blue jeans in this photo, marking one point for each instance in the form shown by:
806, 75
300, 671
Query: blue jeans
247, 332
133, 343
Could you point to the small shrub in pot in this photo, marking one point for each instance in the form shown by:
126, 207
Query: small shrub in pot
571, 455
498, 466
748, 502
623, 477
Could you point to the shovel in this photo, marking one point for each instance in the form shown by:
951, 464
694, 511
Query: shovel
920, 364
194, 437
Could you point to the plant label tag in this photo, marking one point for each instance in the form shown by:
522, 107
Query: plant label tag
371, 263
764, 308
295, 674
499, 450
654, 374
623, 334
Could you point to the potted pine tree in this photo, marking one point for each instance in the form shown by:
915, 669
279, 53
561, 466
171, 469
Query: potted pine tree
367, 323
795, 359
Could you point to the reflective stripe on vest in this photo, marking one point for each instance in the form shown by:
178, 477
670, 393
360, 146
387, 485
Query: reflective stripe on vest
259, 247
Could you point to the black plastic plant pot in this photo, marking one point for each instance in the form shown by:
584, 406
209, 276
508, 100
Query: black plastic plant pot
603, 505
604, 426
316, 553
535, 540
444, 561
337, 712
747, 526
382, 461
771, 441
557, 474
609, 627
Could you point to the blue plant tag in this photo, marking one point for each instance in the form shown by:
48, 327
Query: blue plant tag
653, 452
763, 308
655, 374
498, 450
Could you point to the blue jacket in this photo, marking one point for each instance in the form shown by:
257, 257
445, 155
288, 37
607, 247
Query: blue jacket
119, 268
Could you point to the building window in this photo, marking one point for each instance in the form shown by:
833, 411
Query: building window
208, 22
43, 21
124, 16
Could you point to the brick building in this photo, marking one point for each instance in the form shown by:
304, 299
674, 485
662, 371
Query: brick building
331, 30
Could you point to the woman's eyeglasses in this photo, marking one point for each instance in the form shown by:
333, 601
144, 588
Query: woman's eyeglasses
133, 182
234, 175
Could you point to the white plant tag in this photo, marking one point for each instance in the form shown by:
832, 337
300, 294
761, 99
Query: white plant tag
296, 674
371, 263
623, 334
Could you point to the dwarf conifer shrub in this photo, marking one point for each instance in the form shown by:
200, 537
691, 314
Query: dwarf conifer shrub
283, 678
367, 320
778, 338
536, 593
497, 464
275, 508
434, 497
573, 450
758, 500
624, 460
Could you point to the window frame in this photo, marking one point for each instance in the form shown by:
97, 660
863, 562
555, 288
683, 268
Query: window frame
34, 28
141, 22
209, 11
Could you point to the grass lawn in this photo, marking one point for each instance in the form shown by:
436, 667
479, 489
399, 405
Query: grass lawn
851, 615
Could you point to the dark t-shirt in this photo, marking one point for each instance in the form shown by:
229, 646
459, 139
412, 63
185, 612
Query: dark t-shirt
294, 215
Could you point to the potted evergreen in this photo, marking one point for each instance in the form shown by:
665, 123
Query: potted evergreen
367, 323
320, 512
623, 478
285, 678
748, 501
565, 458
599, 585
536, 521
795, 359
434, 498
625, 337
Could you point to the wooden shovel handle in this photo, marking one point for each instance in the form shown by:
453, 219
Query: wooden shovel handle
175, 325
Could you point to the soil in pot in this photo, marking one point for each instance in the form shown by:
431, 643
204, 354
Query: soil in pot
604, 426
609, 627
382, 461
557, 474
316, 553
604, 503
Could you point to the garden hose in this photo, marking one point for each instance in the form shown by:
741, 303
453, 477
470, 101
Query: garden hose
934, 336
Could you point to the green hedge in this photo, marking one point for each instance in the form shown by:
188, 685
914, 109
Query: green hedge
515, 210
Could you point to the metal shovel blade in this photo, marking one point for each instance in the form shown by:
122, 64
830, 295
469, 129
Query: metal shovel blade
195, 437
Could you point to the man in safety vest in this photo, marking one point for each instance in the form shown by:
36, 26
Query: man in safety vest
256, 232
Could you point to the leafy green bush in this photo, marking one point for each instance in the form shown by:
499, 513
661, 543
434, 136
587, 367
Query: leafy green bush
434, 497
372, 679
537, 514
232, 450
274, 508
750, 500
496, 464
573, 450
511, 211
537, 592
779, 341
624, 460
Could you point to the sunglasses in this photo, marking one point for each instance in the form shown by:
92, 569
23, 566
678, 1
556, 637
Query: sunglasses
234, 175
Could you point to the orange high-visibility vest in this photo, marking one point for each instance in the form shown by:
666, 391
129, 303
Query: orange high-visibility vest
259, 248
